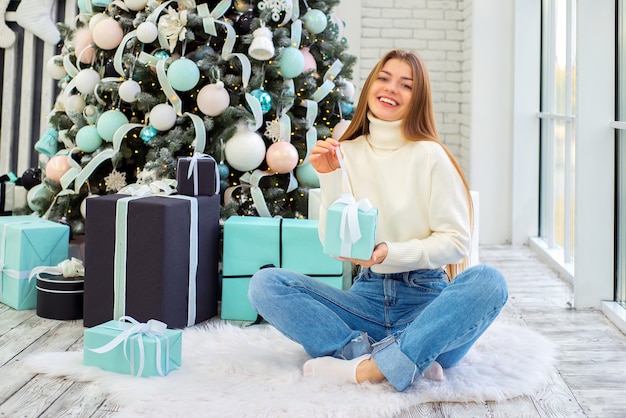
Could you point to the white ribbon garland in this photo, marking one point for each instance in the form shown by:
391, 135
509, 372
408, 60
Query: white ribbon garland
152, 328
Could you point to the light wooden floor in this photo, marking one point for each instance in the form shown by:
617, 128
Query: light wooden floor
589, 379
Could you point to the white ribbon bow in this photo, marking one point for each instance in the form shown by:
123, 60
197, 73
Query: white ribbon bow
349, 230
156, 188
152, 328
66, 268
193, 171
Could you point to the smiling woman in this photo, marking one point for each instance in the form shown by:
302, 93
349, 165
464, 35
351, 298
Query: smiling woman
408, 314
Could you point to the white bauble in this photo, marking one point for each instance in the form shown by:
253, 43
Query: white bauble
347, 89
163, 117
129, 90
340, 128
245, 150
147, 32
95, 19
56, 71
213, 99
87, 80
75, 102
136, 5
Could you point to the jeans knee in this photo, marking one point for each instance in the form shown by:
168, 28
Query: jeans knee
496, 281
259, 284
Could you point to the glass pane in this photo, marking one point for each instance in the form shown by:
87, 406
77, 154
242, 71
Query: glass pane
620, 292
560, 59
559, 183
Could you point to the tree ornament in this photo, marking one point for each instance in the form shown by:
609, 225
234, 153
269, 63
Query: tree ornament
75, 103
275, 6
161, 54
147, 133
346, 108
129, 90
87, 80
309, 61
261, 48
163, 117
38, 193
115, 181
183, 74
242, 6
264, 98
107, 34
282, 157
47, 144
35, 16
83, 48
30, 178
347, 89
109, 122
307, 176
272, 130
291, 62
213, 99
243, 24
55, 68
340, 128
147, 32
224, 171
315, 21
245, 151
95, 19
56, 167
90, 113
87, 139
136, 5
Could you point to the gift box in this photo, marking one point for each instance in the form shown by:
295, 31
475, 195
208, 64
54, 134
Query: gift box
148, 349
350, 229
314, 203
152, 237
27, 242
197, 176
59, 297
12, 197
251, 243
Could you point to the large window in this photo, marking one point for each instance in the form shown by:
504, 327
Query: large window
558, 109
620, 136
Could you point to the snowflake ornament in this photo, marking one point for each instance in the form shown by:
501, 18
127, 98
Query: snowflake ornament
272, 130
115, 181
276, 6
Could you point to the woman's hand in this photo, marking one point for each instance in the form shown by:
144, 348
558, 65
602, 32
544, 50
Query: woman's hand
323, 157
378, 256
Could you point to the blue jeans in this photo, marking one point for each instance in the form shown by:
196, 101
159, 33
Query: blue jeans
406, 320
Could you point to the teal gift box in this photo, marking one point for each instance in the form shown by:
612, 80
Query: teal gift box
251, 243
27, 242
133, 348
360, 248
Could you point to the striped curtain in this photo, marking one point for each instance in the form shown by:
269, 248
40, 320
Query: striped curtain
27, 92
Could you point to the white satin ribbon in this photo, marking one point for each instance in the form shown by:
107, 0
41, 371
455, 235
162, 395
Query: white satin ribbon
3, 238
152, 328
193, 171
72, 267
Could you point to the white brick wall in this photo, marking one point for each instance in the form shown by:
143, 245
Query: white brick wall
438, 30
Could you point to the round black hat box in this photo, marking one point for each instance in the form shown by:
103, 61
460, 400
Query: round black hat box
59, 297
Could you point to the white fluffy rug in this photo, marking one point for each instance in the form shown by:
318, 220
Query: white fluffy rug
256, 372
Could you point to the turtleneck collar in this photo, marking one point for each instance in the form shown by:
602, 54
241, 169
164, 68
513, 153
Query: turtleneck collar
384, 134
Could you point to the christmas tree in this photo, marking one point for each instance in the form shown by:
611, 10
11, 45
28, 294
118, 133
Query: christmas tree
252, 83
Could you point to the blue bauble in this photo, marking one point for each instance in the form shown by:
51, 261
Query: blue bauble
147, 133
224, 185
224, 171
264, 98
291, 62
307, 176
109, 122
315, 21
346, 108
183, 74
88, 139
161, 54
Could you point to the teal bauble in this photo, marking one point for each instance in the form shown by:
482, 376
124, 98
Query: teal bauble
147, 133
315, 21
264, 98
224, 185
346, 108
183, 74
88, 139
36, 197
307, 176
291, 62
224, 171
109, 122
161, 54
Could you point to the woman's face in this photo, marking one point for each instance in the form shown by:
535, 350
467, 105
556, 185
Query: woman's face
390, 95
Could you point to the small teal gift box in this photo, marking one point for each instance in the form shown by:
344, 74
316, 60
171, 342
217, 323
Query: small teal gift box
139, 349
251, 243
27, 242
350, 228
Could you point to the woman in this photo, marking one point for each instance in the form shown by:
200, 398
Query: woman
407, 314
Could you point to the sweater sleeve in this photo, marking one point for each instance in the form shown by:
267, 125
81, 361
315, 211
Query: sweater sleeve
448, 222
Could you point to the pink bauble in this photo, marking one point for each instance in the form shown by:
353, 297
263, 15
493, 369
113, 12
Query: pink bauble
309, 61
56, 167
83, 47
340, 128
282, 157
108, 34
213, 99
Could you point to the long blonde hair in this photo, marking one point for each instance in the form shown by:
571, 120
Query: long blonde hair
419, 125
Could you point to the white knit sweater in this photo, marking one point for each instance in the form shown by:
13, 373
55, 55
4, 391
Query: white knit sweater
423, 214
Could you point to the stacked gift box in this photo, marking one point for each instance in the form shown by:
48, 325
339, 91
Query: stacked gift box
251, 243
153, 256
12, 195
